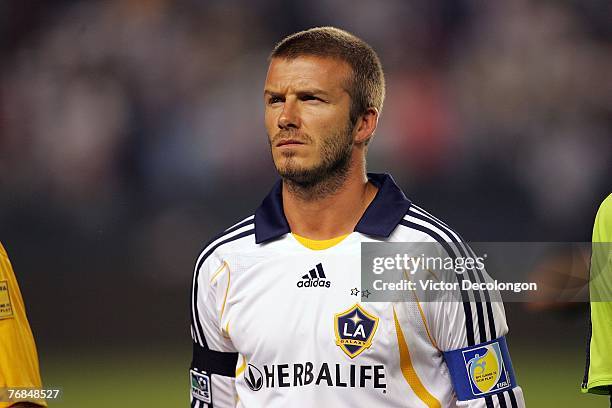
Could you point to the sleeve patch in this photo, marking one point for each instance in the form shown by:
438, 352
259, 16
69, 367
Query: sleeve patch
481, 370
6, 309
200, 386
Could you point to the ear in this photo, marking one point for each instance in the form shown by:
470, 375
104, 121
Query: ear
365, 126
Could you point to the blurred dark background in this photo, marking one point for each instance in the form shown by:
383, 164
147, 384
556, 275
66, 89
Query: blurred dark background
131, 131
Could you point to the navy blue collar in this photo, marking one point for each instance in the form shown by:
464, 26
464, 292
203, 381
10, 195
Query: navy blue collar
380, 218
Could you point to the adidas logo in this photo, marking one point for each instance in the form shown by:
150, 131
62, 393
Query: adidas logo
315, 278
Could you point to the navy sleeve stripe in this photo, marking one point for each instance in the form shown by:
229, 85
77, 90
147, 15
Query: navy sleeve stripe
512, 399
469, 324
229, 231
428, 214
490, 315
477, 295
491, 318
194, 295
502, 400
243, 222
464, 249
489, 402
236, 227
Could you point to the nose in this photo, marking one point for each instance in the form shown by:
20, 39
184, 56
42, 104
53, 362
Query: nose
289, 116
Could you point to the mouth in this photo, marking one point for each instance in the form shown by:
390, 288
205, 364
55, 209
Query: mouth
288, 143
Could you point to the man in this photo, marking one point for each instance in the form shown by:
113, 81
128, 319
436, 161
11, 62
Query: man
598, 375
18, 358
276, 317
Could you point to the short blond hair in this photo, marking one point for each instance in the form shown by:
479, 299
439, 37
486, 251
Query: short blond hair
367, 84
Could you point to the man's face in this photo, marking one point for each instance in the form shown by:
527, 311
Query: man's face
307, 117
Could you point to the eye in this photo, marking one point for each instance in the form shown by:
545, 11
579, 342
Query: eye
309, 98
274, 99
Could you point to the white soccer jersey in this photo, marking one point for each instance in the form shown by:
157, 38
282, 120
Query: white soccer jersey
276, 324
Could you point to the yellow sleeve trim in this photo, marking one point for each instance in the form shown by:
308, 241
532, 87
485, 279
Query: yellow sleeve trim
218, 272
242, 367
408, 370
225, 332
229, 276
319, 245
432, 341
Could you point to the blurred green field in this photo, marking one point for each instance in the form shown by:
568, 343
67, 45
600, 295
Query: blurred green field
550, 378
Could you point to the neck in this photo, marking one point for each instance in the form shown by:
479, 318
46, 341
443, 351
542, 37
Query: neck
330, 208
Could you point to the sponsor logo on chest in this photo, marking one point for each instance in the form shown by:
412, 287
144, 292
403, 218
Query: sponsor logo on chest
309, 373
315, 278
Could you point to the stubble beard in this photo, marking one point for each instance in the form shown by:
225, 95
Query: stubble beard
327, 176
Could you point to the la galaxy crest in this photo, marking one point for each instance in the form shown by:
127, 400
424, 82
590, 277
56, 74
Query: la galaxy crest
485, 368
355, 329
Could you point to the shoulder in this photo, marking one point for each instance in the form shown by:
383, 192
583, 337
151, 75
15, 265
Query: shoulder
421, 225
4, 262
238, 237
605, 209
602, 231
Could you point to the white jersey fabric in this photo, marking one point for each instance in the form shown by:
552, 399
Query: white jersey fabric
276, 324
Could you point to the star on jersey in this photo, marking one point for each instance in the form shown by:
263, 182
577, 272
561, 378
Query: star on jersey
354, 292
355, 319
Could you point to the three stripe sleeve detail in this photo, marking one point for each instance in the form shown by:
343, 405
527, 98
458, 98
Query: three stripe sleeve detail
453, 244
238, 231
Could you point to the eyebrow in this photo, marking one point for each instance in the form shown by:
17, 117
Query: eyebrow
311, 91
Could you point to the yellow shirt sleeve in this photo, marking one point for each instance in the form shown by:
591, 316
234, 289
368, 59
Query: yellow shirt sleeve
18, 357
600, 286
